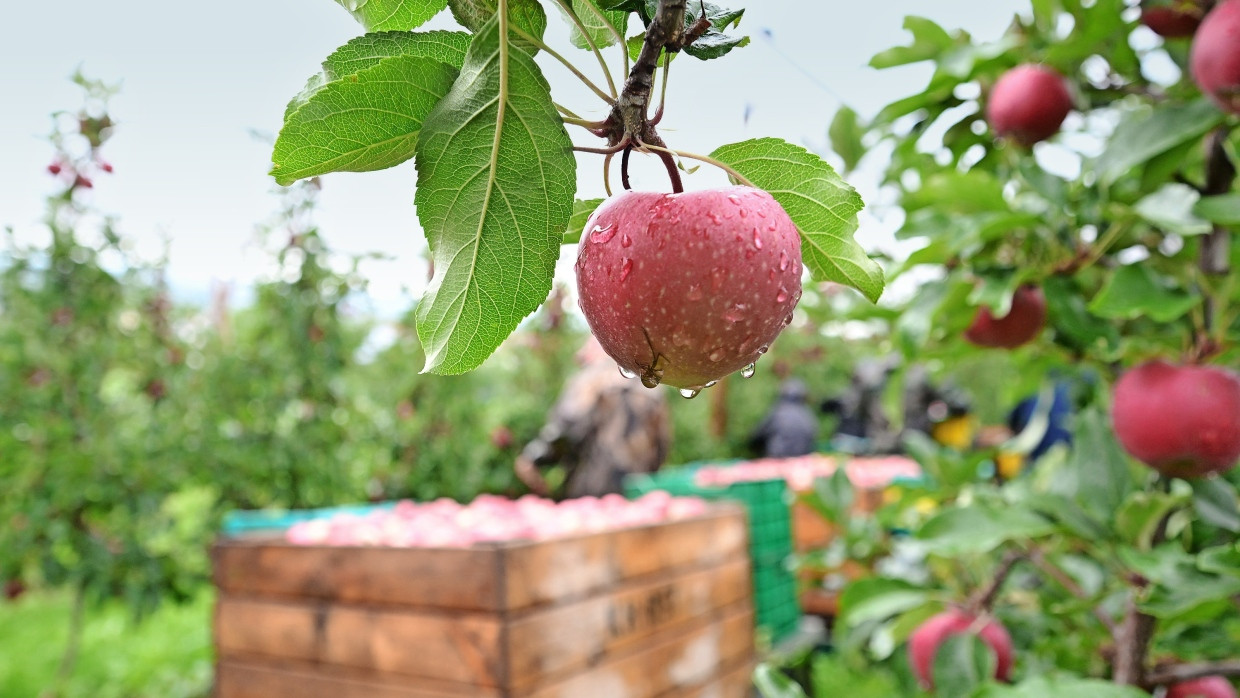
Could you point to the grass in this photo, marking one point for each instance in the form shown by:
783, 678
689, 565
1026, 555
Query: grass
167, 656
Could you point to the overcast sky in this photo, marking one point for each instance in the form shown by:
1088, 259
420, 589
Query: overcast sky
199, 77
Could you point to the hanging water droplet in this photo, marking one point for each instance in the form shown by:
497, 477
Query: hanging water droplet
734, 199
782, 295
783, 261
625, 240
787, 319
763, 349
680, 337
716, 355
736, 313
710, 384
626, 269
651, 378
626, 372
757, 239
748, 371
695, 292
689, 393
600, 235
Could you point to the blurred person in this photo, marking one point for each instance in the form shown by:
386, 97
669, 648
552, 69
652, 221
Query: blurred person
1038, 423
602, 428
790, 429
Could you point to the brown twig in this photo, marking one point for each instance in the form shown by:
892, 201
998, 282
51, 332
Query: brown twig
984, 599
1176, 673
1136, 631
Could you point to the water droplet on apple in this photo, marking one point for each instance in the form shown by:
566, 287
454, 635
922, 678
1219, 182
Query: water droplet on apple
710, 384
695, 292
734, 199
782, 295
626, 241
748, 371
689, 393
783, 261
742, 212
716, 355
763, 349
601, 235
626, 372
757, 239
680, 337
746, 344
787, 319
714, 217
771, 275
736, 313
772, 226
651, 377
716, 278
626, 269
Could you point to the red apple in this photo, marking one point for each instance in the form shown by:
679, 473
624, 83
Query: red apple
925, 641
1173, 19
1024, 321
1205, 687
1028, 104
1215, 58
684, 289
1183, 421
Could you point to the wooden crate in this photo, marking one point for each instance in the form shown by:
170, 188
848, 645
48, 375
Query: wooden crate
655, 611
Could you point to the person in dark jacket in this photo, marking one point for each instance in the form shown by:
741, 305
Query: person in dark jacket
790, 428
602, 428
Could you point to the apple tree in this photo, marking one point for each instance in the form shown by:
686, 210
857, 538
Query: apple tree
1068, 193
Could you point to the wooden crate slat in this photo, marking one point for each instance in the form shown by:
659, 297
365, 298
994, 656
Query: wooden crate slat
548, 641
435, 578
572, 568
680, 663
736, 683
239, 679
457, 647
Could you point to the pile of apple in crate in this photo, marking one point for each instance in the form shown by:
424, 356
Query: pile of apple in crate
643, 598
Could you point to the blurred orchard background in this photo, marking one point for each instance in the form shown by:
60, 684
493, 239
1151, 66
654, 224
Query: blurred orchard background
181, 338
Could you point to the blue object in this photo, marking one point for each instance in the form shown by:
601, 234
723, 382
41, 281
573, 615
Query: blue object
276, 520
1057, 431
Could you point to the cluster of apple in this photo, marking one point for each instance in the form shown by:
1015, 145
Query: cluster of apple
864, 472
445, 523
925, 641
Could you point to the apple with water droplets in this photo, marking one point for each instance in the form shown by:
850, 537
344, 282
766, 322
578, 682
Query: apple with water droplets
1023, 322
1183, 421
1028, 104
1173, 19
684, 289
1205, 687
1215, 57
925, 641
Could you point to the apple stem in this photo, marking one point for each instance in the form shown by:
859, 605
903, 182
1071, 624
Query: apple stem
624, 168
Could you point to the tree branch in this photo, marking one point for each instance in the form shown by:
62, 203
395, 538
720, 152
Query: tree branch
1176, 673
985, 597
1220, 174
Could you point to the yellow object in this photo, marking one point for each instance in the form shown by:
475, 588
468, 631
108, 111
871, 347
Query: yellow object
1009, 464
956, 432
891, 495
925, 505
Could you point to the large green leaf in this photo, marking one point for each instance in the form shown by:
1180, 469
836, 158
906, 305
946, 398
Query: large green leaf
961, 664
1214, 500
845, 133
879, 598
526, 15
823, 206
929, 41
1143, 135
1142, 513
1096, 475
392, 15
1134, 292
1171, 209
496, 177
582, 209
366, 122
1223, 209
981, 528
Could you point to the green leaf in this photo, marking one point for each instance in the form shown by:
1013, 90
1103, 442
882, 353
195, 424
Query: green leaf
1223, 209
1222, 559
1181, 591
1139, 517
1096, 475
822, 205
1171, 209
1071, 319
526, 15
1133, 292
367, 121
369, 50
392, 15
772, 683
929, 41
1145, 134
1060, 687
582, 209
635, 48
1214, 499
877, 599
714, 43
496, 177
832, 497
592, 18
845, 134
995, 291
961, 664
981, 528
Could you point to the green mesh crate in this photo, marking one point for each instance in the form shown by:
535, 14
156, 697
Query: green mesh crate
767, 502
